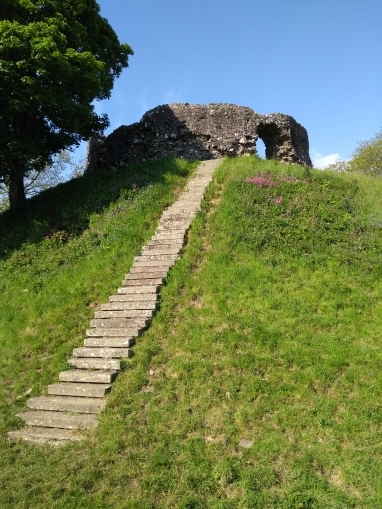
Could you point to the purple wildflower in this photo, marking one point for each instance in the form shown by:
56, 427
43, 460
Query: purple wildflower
261, 181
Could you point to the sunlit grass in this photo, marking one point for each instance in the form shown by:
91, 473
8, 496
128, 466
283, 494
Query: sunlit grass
61, 258
268, 331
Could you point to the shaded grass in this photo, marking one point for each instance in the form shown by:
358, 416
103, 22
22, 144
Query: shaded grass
63, 256
272, 338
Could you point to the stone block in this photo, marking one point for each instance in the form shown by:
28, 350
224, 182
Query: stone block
107, 333
154, 263
52, 436
67, 404
113, 323
129, 314
143, 282
147, 299
88, 376
139, 289
83, 362
79, 389
105, 343
161, 251
175, 235
104, 348
147, 275
155, 258
107, 311
59, 420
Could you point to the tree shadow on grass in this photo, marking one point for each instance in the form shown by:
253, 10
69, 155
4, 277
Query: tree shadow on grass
65, 210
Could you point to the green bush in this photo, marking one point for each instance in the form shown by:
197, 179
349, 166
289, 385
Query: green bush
367, 158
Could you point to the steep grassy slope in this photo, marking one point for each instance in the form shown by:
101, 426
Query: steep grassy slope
63, 256
258, 383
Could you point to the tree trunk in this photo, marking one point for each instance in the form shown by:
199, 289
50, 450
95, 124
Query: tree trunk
17, 197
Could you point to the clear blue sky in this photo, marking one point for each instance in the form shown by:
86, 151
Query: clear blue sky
317, 60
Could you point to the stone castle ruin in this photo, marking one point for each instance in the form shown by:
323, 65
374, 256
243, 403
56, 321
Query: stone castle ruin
197, 132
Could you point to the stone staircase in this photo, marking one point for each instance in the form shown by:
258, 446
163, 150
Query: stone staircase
72, 404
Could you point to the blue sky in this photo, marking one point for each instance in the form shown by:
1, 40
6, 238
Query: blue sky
317, 60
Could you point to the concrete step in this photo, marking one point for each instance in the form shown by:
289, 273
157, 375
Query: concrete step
139, 322
87, 376
107, 348
173, 224
164, 244
170, 236
154, 263
112, 332
160, 251
172, 212
106, 312
136, 290
143, 282
114, 323
137, 318
192, 199
155, 258
59, 420
174, 220
67, 404
122, 313
84, 362
172, 227
148, 299
52, 436
80, 390
109, 342
178, 208
144, 275
188, 200
156, 269
177, 215
190, 214
198, 183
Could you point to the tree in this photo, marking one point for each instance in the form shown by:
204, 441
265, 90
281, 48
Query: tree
63, 168
56, 58
367, 157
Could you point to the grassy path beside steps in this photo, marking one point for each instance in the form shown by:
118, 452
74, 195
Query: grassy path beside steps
258, 384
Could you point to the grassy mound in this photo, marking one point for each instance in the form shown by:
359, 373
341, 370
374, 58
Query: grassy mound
258, 383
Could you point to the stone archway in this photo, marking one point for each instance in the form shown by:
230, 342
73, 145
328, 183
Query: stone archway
269, 134
260, 148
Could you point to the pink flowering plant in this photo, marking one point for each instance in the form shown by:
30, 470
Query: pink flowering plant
286, 210
262, 181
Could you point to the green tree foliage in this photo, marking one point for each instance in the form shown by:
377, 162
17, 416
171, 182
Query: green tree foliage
56, 58
367, 158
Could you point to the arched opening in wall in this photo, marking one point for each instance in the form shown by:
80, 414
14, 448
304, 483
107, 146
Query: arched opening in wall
260, 148
269, 134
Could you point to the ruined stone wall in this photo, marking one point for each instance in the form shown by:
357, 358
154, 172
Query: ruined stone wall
198, 132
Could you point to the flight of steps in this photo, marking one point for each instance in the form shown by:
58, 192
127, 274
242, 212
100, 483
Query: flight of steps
72, 404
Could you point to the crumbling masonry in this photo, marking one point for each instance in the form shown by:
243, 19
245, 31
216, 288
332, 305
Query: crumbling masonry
198, 132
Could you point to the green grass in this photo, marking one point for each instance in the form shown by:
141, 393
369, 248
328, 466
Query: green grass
63, 256
268, 331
